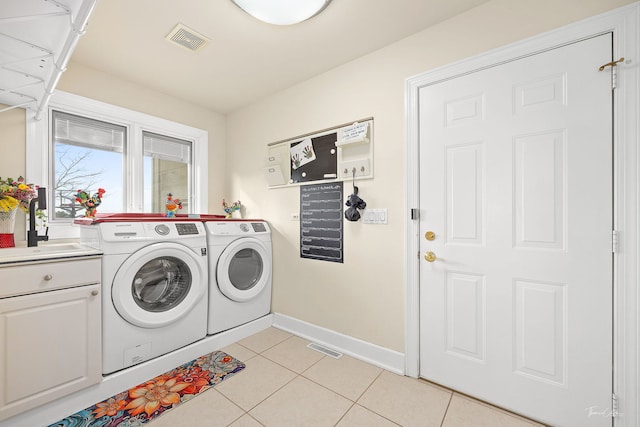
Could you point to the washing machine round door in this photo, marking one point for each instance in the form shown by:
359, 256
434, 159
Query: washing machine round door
244, 269
158, 285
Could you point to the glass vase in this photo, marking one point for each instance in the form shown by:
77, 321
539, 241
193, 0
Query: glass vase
7, 224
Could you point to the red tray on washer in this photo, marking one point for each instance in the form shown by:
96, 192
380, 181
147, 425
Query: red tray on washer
146, 217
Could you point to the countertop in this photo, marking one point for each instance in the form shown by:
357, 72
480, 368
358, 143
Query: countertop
45, 252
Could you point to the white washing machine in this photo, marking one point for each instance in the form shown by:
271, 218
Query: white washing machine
240, 264
155, 288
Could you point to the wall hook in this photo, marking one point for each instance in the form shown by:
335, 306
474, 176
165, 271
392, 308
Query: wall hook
355, 188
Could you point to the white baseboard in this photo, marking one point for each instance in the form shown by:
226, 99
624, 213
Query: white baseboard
130, 377
371, 353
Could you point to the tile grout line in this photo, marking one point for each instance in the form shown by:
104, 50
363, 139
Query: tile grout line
298, 375
266, 358
371, 409
301, 374
345, 413
446, 411
236, 405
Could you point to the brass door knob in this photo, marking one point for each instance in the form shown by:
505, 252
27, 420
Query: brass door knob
430, 235
430, 256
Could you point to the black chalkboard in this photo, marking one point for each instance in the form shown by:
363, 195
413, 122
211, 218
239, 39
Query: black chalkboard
325, 164
321, 221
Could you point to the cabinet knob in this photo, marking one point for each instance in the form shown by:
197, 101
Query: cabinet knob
94, 292
48, 277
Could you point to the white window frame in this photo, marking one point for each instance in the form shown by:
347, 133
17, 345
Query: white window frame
39, 156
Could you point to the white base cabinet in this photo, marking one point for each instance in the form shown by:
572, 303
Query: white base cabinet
50, 342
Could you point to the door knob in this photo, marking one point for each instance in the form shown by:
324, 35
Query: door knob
430, 256
430, 235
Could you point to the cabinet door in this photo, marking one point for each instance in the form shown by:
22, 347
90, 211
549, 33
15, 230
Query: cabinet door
50, 346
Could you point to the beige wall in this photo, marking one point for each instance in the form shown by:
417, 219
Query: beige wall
12, 154
364, 297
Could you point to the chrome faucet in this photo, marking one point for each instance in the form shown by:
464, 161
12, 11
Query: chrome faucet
32, 234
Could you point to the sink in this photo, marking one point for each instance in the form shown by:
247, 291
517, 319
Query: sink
45, 251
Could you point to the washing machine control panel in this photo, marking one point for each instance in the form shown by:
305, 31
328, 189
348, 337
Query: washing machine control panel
185, 228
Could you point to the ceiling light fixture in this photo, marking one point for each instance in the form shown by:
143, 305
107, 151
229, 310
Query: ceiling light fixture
282, 12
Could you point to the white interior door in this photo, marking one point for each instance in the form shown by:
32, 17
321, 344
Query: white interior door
516, 186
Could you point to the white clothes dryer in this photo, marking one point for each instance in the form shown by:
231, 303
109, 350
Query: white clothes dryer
155, 288
240, 264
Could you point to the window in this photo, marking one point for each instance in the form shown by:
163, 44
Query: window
167, 163
87, 154
138, 159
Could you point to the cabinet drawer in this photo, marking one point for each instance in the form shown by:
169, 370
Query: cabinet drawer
42, 277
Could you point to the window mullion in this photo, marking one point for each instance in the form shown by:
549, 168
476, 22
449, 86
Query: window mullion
135, 171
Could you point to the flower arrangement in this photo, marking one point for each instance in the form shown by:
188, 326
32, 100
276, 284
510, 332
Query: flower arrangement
16, 193
90, 203
230, 209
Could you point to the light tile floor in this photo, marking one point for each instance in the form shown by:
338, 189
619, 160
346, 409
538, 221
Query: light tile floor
286, 384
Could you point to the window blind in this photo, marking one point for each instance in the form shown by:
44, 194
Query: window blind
166, 148
86, 132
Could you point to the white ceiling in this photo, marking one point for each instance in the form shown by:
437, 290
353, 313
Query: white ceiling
246, 59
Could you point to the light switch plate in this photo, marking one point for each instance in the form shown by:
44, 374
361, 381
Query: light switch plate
375, 216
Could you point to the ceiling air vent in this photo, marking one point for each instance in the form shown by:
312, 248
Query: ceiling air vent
187, 38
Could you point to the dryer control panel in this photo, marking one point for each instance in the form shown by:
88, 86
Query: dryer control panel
259, 227
237, 228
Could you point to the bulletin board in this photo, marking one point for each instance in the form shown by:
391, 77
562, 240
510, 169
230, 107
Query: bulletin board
324, 155
339, 153
321, 222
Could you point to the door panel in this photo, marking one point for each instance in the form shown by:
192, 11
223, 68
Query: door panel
516, 185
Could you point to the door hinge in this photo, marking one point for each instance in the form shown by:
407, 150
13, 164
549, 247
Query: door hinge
614, 71
415, 213
614, 405
615, 241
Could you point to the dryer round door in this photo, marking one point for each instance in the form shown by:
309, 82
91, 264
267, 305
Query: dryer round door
158, 285
244, 269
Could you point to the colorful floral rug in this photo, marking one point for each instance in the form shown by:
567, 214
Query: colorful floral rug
146, 401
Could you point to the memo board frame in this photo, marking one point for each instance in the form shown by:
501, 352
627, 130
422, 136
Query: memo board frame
340, 153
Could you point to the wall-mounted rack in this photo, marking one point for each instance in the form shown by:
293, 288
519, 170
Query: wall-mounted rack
331, 154
37, 38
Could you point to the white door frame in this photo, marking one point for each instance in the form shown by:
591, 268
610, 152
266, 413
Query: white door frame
624, 23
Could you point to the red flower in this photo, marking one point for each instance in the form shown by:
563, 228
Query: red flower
196, 378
